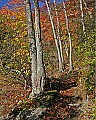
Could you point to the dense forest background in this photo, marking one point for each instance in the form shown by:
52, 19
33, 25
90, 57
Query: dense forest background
76, 23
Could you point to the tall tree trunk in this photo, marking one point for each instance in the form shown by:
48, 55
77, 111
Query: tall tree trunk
82, 17
55, 37
36, 53
31, 36
58, 35
69, 35
40, 65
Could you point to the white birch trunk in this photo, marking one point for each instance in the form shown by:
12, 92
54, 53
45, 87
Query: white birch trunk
87, 8
82, 17
67, 27
40, 65
85, 3
55, 37
31, 36
66, 48
58, 35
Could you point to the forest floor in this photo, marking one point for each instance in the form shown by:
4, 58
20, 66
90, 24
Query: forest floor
70, 103
10, 95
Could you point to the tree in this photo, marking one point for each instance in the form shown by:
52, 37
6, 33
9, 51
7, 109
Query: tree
69, 35
37, 66
82, 17
40, 65
55, 37
58, 35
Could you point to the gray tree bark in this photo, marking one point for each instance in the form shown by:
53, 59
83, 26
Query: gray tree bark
40, 65
36, 53
31, 36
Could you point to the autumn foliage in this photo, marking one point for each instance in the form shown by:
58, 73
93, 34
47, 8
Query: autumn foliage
15, 56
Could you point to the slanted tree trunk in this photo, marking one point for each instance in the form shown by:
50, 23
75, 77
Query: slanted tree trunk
82, 17
85, 3
69, 35
87, 8
55, 37
36, 55
58, 35
40, 65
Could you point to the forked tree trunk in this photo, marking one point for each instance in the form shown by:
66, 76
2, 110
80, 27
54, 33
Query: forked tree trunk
69, 35
40, 65
55, 37
37, 67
